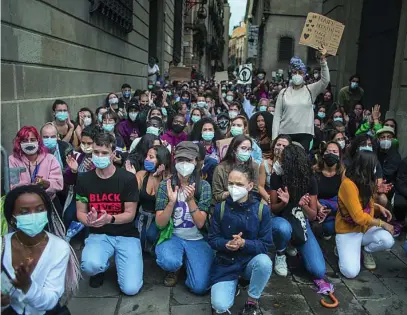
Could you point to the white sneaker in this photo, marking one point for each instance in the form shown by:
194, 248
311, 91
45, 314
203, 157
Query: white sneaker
280, 266
291, 251
368, 260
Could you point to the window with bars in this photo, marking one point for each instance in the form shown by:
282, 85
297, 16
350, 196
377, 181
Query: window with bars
285, 49
311, 58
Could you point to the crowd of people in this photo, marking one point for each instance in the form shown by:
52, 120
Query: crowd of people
207, 177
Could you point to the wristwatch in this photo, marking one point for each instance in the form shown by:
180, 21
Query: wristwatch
112, 220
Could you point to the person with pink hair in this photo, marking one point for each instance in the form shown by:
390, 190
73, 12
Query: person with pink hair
37, 166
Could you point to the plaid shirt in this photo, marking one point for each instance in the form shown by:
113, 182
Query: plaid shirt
204, 202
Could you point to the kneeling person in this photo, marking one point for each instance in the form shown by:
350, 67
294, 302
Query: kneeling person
241, 234
106, 202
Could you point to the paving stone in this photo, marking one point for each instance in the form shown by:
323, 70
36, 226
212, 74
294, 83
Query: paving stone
390, 306
110, 287
152, 274
279, 304
367, 286
282, 285
388, 265
154, 300
348, 305
399, 251
181, 296
91, 306
198, 309
397, 286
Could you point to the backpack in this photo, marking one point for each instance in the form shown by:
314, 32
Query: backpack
259, 213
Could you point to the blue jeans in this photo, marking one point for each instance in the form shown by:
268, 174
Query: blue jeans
328, 226
198, 261
258, 271
311, 253
128, 257
149, 234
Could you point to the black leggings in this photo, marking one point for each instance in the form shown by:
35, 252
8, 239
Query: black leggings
302, 138
400, 207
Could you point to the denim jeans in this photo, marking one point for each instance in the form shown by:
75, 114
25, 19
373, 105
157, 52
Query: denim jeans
258, 271
198, 261
328, 226
128, 258
149, 233
311, 253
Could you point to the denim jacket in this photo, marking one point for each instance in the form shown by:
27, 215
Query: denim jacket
243, 217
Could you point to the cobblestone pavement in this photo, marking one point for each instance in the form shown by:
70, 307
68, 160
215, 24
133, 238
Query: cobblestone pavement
383, 291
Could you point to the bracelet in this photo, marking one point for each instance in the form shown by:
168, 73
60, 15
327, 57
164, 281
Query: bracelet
380, 223
193, 211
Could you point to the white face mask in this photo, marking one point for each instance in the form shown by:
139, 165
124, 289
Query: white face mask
316, 75
237, 192
342, 143
29, 148
86, 149
113, 100
297, 79
278, 169
133, 116
87, 121
185, 168
232, 114
385, 144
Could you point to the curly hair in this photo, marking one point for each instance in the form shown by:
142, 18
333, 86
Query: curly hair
254, 131
296, 172
357, 142
196, 133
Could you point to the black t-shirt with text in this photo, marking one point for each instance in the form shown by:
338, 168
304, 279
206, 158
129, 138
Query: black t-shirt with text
109, 194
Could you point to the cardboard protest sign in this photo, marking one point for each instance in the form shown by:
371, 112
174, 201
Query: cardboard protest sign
319, 29
180, 74
221, 76
245, 74
222, 146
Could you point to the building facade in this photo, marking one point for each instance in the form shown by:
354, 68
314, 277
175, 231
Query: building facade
237, 45
78, 51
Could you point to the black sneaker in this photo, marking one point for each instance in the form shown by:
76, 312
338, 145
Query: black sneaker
96, 281
251, 309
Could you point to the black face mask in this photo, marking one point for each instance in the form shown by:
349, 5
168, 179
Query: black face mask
331, 159
177, 128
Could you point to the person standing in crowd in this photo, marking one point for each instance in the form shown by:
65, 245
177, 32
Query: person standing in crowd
39, 262
294, 192
128, 128
40, 168
240, 233
387, 154
260, 85
355, 119
352, 94
182, 208
260, 129
358, 221
62, 120
153, 70
294, 113
106, 202
84, 119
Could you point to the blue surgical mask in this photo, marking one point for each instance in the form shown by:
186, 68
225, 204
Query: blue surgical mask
126, 93
208, 135
321, 115
164, 111
243, 156
366, 148
202, 104
229, 98
133, 116
262, 108
50, 143
149, 166
32, 224
61, 116
338, 119
153, 131
108, 127
169, 93
150, 86
100, 119
185, 100
354, 85
101, 161
195, 119
236, 131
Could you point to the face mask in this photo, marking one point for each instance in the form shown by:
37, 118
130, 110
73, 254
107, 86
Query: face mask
87, 121
86, 149
385, 144
208, 135
321, 114
178, 128
260, 76
108, 127
338, 119
153, 131
354, 85
278, 169
164, 111
32, 224
297, 79
169, 93
232, 114
133, 116
150, 86
342, 144
229, 98
101, 161
185, 168
185, 100
100, 119
50, 143
113, 100
366, 148
126, 94
177, 99
236, 131
61, 116
263, 108
195, 119
223, 95
29, 148
316, 75
243, 156
237, 192
331, 159
149, 166
202, 104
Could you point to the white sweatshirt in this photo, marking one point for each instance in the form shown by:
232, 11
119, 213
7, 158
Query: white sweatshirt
294, 112
47, 279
